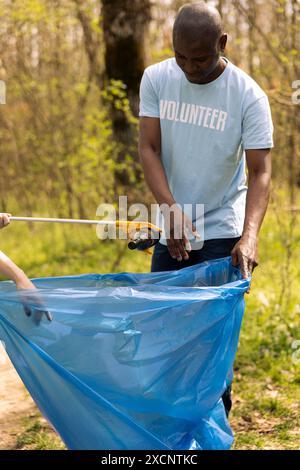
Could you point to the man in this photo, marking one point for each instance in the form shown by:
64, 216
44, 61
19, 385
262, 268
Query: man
202, 120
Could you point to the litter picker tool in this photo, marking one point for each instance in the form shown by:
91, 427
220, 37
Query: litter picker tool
141, 235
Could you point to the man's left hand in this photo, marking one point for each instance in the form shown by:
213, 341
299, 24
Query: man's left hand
245, 253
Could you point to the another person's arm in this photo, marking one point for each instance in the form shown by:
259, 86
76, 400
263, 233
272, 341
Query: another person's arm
8, 268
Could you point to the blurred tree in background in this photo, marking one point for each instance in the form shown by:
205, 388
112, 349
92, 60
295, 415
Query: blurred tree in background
68, 131
72, 69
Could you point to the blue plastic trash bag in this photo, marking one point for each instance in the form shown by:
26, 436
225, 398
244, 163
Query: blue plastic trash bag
130, 361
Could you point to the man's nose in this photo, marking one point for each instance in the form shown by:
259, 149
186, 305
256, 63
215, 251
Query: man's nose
190, 67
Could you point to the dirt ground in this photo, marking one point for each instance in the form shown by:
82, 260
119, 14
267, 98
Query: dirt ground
15, 403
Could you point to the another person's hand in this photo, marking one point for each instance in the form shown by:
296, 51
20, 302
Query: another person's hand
4, 219
39, 309
179, 227
245, 253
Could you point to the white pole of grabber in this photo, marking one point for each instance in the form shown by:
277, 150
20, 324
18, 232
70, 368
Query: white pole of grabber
63, 221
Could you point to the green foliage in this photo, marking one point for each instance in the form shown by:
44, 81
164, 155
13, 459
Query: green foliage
58, 153
116, 93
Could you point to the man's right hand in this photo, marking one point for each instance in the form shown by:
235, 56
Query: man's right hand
179, 228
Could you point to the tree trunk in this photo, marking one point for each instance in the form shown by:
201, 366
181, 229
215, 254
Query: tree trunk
124, 29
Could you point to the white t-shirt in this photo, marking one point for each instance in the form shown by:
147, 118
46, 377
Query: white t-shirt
204, 132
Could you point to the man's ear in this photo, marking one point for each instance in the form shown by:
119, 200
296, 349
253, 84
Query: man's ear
223, 42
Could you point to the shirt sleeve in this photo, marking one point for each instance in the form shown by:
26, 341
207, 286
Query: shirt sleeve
149, 103
257, 126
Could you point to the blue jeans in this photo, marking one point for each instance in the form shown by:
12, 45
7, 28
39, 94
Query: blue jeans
212, 249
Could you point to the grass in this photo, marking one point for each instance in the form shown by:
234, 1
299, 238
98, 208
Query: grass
266, 394
38, 435
266, 414
51, 250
